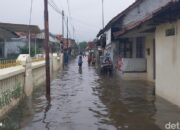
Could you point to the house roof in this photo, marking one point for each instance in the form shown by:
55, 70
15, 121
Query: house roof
154, 15
5, 34
20, 27
118, 17
52, 37
134, 24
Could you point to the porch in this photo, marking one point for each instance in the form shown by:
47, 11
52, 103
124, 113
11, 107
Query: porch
137, 48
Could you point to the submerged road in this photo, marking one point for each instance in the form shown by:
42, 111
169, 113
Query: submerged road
85, 100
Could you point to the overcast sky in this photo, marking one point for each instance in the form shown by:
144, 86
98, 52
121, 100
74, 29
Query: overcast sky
86, 14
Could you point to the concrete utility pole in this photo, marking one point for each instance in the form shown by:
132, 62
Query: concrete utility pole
62, 40
67, 49
67, 34
46, 47
29, 42
63, 23
29, 36
103, 13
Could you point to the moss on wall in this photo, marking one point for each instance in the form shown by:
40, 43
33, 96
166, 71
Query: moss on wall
9, 94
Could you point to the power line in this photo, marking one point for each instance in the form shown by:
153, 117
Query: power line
57, 10
70, 18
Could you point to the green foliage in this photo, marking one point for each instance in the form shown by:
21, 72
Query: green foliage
83, 45
25, 50
8, 95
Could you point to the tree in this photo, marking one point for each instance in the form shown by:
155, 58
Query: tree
25, 50
83, 45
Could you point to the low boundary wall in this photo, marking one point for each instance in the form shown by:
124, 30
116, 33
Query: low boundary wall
14, 81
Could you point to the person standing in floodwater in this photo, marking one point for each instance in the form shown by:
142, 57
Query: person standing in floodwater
119, 63
80, 61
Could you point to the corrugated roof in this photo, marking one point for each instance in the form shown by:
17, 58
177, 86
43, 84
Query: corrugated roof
119, 16
147, 18
122, 14
5, 34
20, 27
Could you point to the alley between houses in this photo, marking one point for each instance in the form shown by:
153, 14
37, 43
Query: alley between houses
85, 100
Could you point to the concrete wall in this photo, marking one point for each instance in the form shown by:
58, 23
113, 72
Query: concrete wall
11, 87
150, 57
134, 65
13, 81
38, 73
168, 63
108, 37
57, 62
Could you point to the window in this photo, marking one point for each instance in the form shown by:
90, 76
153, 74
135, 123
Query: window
125, 49
170, 32
140, 47
1, 50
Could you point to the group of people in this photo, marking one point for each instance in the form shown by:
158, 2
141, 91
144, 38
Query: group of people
118, 65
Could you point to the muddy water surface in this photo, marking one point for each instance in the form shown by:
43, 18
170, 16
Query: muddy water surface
84, 100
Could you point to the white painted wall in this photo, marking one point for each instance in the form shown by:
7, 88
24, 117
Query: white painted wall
108, 37
134, 64
168, 63
10, 77
150, 61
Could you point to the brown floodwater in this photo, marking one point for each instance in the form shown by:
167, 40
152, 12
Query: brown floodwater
85, 100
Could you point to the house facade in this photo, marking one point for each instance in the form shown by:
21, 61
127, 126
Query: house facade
53, 41
4, 36
14, 37
146, 35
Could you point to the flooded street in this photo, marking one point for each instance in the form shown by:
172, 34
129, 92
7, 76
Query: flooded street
84, 100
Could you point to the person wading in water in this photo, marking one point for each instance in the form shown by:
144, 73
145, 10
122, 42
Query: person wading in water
80, 61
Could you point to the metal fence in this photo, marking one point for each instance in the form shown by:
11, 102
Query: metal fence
37, 59
8, 63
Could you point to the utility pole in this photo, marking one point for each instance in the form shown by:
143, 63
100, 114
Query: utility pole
63, 23
35, 46
29, 42
62, 40
67, 34
103, 13
67, 50
46, 47
29, 37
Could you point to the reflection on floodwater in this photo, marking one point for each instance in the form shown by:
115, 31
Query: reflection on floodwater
81, 99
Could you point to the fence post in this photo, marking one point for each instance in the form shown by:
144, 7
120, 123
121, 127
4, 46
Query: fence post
26, 61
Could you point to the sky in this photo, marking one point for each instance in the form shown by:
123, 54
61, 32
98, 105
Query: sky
85, 15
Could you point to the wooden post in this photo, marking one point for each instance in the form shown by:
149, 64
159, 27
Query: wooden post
46, 47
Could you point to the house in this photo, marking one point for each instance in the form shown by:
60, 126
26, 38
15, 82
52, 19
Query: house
70, 45
18, 37
147, 35
54, 42
4, 35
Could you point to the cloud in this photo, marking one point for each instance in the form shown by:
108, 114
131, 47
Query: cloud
86, 14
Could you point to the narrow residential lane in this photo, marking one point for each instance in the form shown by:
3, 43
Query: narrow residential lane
84, 100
